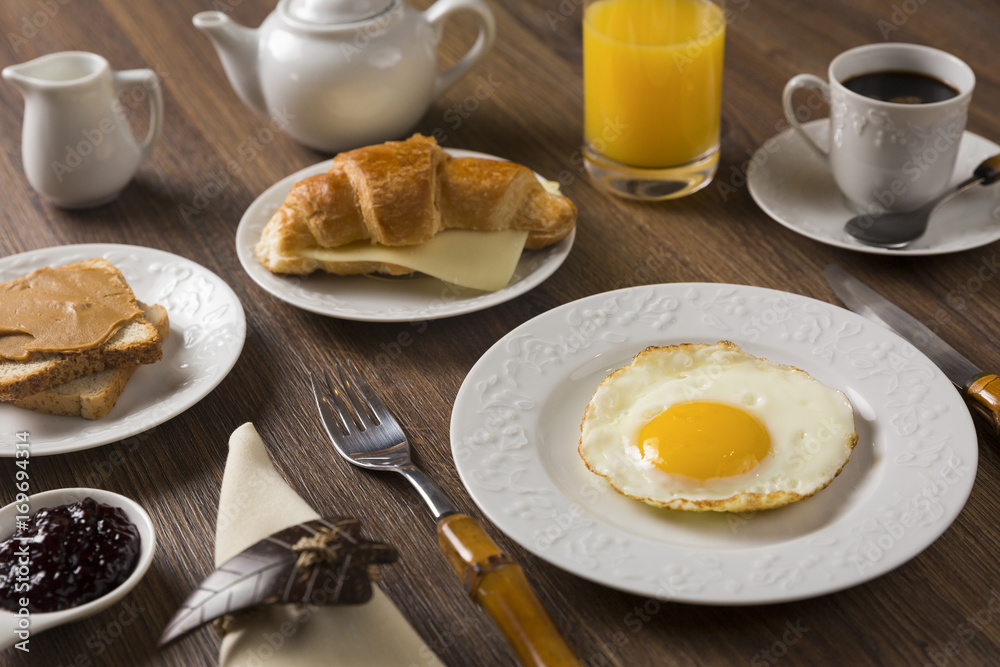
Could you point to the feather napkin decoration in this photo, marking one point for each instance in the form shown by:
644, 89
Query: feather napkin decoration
325, 561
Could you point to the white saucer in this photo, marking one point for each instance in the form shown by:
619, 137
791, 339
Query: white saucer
373, 298
794, 186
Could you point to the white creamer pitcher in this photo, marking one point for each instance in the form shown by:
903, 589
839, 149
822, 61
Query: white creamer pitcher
77, 146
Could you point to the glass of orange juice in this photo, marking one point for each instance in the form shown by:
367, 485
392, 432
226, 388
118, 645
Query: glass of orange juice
652, 87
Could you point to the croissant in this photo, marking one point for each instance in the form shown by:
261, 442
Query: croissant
403, 193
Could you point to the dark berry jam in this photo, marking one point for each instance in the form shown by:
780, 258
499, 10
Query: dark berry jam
75, 553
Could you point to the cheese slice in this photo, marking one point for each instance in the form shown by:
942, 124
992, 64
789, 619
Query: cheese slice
480, 260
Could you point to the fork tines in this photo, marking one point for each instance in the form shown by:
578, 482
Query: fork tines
355, 403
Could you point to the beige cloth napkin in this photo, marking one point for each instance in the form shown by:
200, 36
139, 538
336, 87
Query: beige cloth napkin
256, 502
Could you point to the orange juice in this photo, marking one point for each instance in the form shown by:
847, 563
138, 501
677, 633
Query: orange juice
652, 79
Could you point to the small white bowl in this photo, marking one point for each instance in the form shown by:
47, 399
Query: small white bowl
44, 621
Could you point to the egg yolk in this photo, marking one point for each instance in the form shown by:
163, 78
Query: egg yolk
704, 439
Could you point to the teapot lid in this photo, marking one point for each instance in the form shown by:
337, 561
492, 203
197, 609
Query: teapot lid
333, 12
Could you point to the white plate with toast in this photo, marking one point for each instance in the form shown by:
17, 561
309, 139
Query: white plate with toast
375, 298
515, 428
207, 331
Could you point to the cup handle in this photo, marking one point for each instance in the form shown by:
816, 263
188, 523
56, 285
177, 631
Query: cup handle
147, 78
794, 84
438, 13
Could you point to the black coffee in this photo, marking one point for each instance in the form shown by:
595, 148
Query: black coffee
901, 87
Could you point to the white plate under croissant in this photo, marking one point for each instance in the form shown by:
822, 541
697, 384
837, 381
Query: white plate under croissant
376, 298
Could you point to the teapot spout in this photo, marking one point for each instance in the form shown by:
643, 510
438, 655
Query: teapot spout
237, 48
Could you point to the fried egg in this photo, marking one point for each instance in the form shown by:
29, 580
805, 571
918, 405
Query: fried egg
711, 427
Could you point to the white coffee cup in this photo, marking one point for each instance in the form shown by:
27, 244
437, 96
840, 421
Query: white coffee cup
887, 155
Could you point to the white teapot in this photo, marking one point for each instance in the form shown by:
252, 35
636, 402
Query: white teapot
339, 74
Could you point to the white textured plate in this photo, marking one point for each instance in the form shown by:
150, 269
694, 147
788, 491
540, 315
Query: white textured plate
207, 330
373, 298
516, 425
794, 186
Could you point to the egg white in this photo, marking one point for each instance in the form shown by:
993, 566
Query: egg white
811, 427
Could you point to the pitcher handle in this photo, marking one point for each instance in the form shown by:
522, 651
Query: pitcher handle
148, 79
795, 83
438, 13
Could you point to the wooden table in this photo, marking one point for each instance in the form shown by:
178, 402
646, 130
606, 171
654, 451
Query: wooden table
939, 608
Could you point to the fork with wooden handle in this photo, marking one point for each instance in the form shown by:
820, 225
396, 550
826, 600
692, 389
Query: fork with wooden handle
365, 433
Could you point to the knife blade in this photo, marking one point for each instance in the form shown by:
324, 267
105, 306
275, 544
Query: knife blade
981, 389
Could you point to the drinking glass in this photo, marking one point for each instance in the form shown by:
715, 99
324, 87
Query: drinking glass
652, 87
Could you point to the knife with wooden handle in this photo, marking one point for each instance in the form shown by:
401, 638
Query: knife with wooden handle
981, 389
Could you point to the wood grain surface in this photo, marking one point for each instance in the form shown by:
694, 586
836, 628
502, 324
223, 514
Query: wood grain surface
941, 608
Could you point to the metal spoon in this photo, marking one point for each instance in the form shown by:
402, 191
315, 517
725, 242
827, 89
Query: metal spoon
898, 230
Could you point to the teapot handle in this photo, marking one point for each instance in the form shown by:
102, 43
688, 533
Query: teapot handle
438, 13
148, 79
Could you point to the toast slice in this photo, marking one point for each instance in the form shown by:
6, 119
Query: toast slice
137, 342
93, 396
